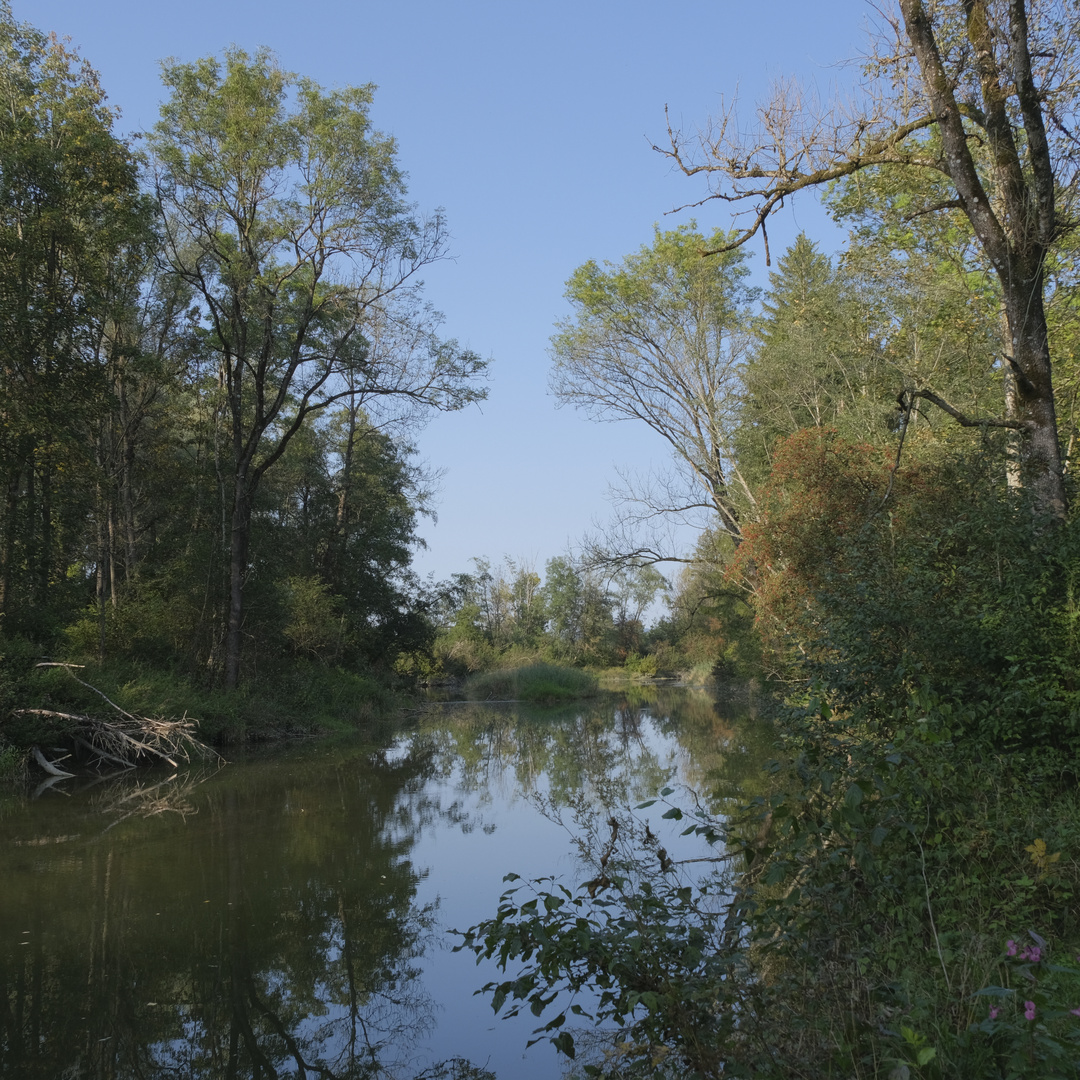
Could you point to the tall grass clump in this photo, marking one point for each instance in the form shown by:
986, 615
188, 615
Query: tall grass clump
541, 683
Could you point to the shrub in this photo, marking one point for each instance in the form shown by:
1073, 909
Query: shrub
949, 586
542, 683
864, 937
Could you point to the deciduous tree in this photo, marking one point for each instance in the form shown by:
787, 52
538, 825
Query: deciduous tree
661, 339
286, 214
981, 94
70, 214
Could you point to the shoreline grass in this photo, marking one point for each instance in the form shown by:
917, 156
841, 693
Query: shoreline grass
542, 684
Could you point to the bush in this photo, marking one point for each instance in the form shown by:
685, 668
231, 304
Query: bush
874, 927
541, 683
950, 585
637, 664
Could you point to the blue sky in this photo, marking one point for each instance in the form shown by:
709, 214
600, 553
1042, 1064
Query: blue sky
532, 125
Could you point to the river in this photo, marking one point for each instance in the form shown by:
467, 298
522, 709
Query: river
291, 913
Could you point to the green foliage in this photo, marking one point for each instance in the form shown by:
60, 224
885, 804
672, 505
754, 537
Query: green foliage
74, 231
660, 339
650, 958
496, 616
710, 626
315, 624
817, 361
1032, 1025
881, 879
303, 697
579, 612
541, 683
641, 665
17, 658
193, 478
934, 577
285, 217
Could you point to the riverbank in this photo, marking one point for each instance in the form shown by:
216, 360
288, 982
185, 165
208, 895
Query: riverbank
896, 901
41, 699
300, 699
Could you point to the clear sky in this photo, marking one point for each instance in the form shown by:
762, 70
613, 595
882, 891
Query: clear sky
532, 125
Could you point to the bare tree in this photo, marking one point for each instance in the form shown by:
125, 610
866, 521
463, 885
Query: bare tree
981, 93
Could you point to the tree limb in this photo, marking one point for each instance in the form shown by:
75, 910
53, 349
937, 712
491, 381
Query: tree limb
961, 418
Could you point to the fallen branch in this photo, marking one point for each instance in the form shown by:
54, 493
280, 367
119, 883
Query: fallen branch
47, 765
126, 741
104, 755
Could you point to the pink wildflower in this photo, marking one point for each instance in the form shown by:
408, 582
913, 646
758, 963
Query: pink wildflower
1010, 948
995, 1010
1036, 954
1029, 1010
1075, 1012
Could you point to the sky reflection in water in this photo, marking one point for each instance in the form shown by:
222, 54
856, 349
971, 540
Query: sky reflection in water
290, 912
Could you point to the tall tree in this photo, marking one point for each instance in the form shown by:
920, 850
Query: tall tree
578, 609
70, 214
980, 93
814, 360
661, 339
286, 215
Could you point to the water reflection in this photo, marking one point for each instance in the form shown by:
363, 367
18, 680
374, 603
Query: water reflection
282, 916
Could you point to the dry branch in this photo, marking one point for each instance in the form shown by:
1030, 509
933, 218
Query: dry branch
127, 740
47, 765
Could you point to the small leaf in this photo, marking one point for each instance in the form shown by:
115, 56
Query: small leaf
564, 1043
926, 1055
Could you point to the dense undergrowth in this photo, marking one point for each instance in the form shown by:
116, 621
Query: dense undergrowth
900, 900
299, 698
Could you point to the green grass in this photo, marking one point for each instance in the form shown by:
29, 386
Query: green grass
12, 763
304, 698
540, 683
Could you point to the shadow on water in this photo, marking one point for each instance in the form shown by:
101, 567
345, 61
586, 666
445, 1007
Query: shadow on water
281, 916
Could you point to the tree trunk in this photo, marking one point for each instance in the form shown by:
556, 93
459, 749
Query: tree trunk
1016, 226
7, 554
102, 559
1040, 451
238, 555
127, 466
1013, 480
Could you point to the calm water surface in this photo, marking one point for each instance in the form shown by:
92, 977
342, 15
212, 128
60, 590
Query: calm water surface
290, 914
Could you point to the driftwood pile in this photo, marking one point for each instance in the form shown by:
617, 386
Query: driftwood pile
123, 741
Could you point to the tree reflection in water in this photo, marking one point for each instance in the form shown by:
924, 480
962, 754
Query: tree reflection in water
274, 933
272, 919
